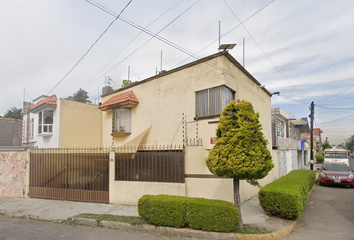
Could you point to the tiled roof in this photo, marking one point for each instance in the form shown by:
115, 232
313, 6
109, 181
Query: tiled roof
123, 99
52, 100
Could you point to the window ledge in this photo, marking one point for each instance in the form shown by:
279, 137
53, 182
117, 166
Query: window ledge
120, 134
45, 134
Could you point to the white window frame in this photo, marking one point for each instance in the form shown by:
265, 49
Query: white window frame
43, 127
121, 120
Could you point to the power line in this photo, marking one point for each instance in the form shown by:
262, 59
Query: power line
262, 49
153, 35
115, 15
338, 119
90, 47
340, 109
338, 93
249, 17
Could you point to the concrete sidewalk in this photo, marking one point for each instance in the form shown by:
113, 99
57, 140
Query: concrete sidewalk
57, 210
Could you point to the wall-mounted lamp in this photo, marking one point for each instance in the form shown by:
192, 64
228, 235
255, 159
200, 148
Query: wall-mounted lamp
261, 86
276, 93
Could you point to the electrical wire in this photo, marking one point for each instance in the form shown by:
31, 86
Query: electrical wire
175, 45
281, 73
232, 29
77, 63
337, 119
153, 35
338, 93
115, 15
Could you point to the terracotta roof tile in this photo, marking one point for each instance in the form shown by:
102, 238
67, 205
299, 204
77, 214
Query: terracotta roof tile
52, 100
126, 98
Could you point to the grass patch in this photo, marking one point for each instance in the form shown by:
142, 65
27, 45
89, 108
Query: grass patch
138, 221
113, 218
253, 230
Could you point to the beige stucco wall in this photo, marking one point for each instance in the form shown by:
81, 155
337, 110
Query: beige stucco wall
162, 103
129, 192
80, 124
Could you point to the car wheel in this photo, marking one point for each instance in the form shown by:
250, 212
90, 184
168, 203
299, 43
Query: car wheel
321, 183
352, 186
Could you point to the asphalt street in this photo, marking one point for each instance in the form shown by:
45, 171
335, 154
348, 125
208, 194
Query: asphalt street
328, 214
15, 228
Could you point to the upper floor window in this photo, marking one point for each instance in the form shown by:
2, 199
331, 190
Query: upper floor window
45, 122
31, 128
211, 102
280, 127
121, 121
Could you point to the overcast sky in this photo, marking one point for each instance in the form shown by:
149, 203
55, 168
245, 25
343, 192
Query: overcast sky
302, 49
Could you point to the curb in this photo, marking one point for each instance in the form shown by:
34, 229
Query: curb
184, 232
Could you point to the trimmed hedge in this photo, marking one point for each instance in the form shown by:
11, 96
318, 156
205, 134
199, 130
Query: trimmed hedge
197, 213
287, 196
163, 210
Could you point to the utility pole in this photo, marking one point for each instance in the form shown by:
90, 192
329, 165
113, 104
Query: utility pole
312, 108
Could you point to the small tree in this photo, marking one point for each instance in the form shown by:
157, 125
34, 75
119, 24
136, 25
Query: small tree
80, 96
349, 144
14, 113
125, 82
326, 145
240, 151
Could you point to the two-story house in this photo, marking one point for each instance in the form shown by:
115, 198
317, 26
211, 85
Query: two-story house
177, 112
50, 122
289, 149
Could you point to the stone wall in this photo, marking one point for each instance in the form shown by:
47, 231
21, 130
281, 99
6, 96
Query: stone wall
13, 166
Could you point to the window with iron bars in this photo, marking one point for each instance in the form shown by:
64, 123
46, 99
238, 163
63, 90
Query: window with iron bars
121, 120
211, 102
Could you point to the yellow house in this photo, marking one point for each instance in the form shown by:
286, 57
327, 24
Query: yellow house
59, 123
176, 112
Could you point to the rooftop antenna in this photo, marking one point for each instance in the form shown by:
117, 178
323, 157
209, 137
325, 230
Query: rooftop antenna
219, 34
108, 81
128, 72
244, 47
161, 62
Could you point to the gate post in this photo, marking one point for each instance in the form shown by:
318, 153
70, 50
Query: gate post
112, 167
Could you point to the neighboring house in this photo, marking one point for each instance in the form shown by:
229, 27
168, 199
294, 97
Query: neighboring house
317, 138
60, 123
178, 107
291, 151
10, 132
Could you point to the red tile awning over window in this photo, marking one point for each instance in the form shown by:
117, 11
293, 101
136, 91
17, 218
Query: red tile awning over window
126, 100
52, 100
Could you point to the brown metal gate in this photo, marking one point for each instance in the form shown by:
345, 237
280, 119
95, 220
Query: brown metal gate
70, 174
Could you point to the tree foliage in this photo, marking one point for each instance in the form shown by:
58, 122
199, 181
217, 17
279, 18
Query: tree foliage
240, 151
349, 144
125, 82
14, 113
80, 96
326, 145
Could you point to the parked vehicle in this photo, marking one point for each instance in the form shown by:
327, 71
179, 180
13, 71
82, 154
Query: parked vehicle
335, 173
336, 155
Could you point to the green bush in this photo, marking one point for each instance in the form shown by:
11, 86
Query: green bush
287, 196
197, 213
212, 215
163, 210
319, 157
